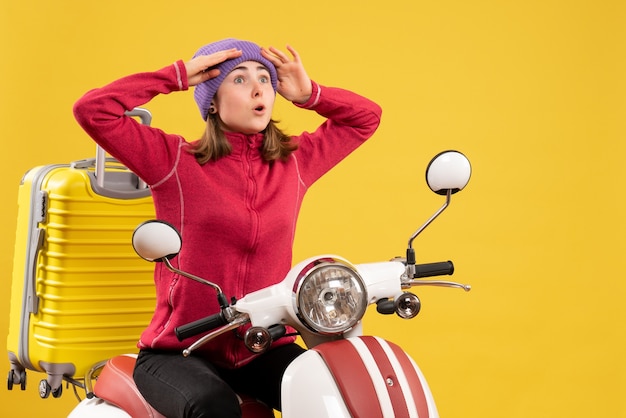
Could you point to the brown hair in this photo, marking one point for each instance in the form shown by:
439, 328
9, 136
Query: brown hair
213, 144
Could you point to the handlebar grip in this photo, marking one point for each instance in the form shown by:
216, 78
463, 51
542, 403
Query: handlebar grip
199, 326
442, 268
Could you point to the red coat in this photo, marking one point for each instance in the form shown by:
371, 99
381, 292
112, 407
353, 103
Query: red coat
237, 215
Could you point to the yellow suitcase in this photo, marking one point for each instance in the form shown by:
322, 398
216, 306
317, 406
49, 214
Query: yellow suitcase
79, 292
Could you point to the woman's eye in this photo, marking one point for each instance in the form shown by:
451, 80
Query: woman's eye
264, 79
238, 80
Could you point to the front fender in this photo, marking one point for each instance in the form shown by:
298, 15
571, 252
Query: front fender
361, 376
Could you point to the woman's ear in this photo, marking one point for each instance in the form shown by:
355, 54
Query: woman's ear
212, 109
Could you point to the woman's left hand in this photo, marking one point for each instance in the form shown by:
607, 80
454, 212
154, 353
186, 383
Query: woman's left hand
293, 82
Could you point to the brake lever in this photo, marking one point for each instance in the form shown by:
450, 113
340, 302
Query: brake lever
441, 283
237, 322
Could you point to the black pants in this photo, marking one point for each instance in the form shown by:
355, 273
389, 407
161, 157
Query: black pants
178, 386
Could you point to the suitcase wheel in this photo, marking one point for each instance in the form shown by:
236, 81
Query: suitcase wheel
45, 390
16, 377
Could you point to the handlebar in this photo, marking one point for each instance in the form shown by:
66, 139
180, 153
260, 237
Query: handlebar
442, 268
213, 322
415, 272
201, 325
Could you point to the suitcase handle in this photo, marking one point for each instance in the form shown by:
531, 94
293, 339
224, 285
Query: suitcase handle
32, 300
126, 185
142, 113
145, 117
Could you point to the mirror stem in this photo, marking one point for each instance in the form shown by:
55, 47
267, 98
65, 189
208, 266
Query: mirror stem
220, 295
410, 252
432, 218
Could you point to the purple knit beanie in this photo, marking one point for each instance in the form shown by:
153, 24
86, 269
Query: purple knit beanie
204, 92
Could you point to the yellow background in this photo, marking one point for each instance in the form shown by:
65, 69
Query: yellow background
532, 91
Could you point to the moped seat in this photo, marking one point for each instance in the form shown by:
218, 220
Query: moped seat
116, 385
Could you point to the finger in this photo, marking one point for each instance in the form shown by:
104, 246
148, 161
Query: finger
271, 57
219, 57
210, 73
294, 53
232, 53
203, 76
279, 54
267, 54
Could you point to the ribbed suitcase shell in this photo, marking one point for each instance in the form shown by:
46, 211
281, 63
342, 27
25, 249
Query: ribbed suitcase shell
79, 293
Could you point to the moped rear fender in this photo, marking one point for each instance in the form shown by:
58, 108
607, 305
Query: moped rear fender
356, 377
97, 408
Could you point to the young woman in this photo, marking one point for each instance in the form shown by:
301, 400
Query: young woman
234, 195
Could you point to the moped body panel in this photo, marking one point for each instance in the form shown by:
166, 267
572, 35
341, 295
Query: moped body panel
361, 376
309, 389
97, 408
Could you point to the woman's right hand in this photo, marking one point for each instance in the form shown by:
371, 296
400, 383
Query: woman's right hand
199, 68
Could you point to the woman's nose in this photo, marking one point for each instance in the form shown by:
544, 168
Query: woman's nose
257, 89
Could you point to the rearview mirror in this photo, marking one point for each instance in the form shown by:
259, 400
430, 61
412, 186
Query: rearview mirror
156, 240
448, 170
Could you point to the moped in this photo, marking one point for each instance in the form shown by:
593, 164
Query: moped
343, 373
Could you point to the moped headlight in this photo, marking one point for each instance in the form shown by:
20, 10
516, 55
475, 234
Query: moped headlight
329, 296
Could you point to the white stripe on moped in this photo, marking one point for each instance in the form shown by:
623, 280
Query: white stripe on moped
402, 380
375, 376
